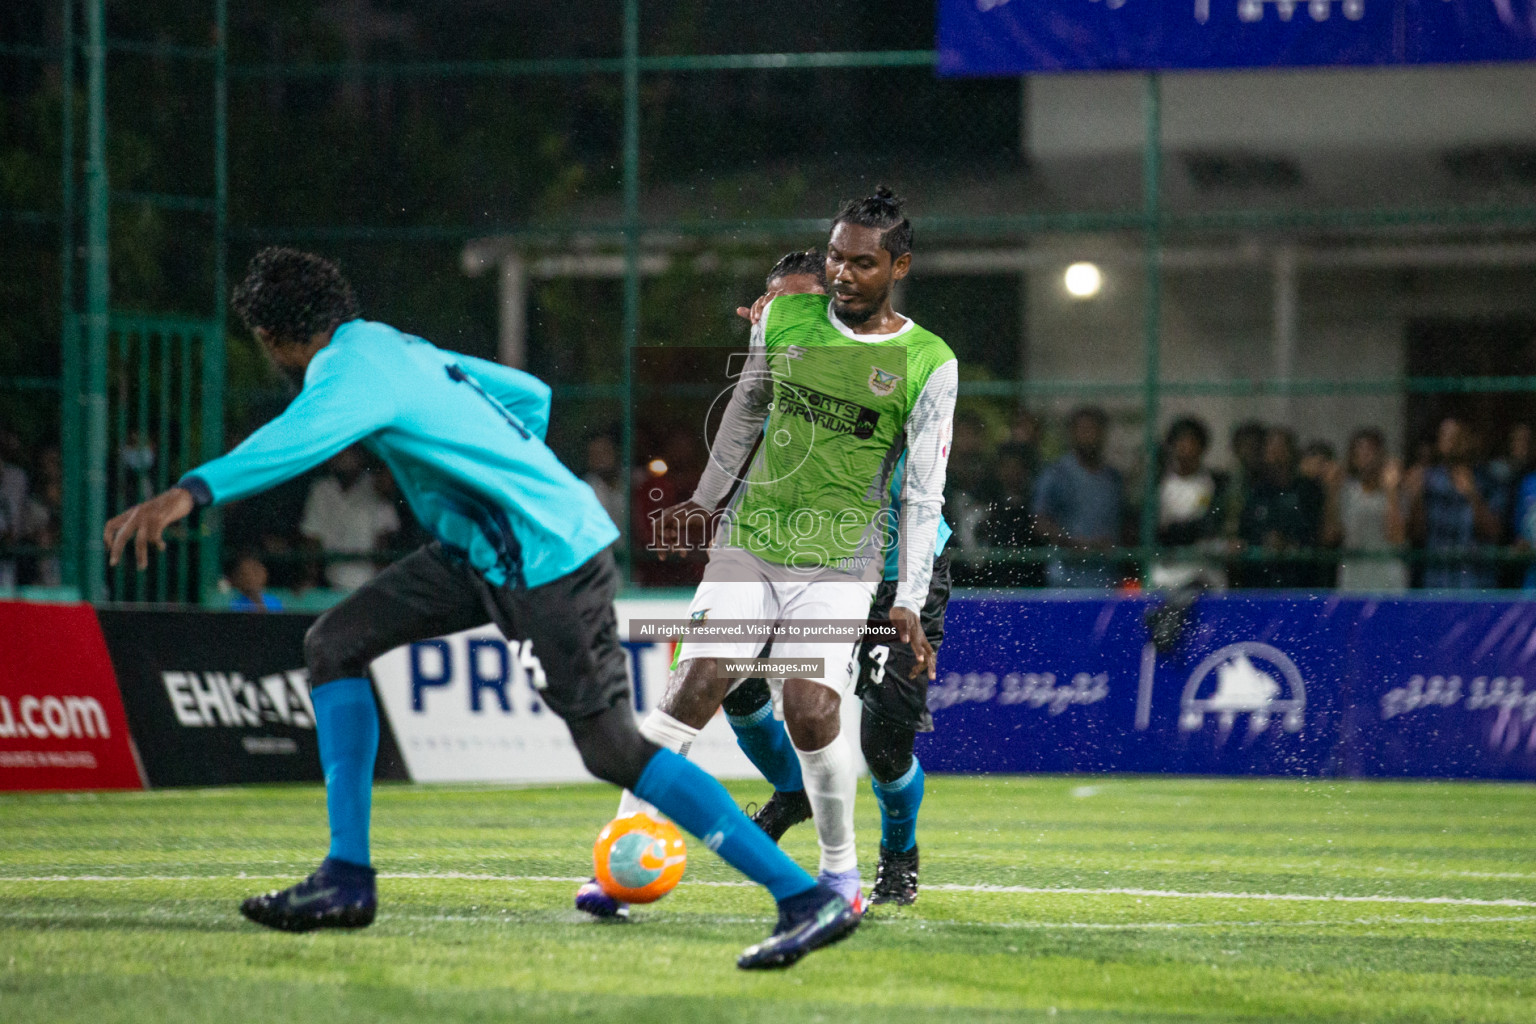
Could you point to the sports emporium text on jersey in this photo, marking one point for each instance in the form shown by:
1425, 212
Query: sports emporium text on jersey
823, 410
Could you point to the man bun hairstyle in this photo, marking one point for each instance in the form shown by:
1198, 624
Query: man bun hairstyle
802, 261
293, 295
883, 211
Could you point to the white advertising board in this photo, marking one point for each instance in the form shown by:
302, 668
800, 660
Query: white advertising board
463, 709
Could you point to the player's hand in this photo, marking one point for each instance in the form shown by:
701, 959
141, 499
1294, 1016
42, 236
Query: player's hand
671, 529
145, 524
754, 312
909, 630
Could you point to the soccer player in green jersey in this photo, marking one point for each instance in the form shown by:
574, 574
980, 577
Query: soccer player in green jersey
836, 387
894, 692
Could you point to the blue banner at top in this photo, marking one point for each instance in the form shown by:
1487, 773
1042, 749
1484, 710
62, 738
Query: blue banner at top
1014, 37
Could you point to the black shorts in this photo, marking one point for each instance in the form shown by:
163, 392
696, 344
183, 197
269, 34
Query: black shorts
568, 623
884, 680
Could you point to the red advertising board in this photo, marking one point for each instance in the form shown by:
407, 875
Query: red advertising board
61, 719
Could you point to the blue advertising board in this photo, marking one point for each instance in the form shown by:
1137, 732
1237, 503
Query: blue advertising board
1035, 685
1441, 688
1013, 37
1312, 685
1240, 693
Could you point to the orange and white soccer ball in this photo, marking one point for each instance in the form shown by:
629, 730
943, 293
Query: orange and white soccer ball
639, 859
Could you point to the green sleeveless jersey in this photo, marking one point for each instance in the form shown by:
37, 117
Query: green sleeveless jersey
816, 492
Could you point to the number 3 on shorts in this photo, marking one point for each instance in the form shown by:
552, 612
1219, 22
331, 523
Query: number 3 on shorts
878, 655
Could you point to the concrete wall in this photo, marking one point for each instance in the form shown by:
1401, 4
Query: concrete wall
1219, 320
1088, 115
1218, 325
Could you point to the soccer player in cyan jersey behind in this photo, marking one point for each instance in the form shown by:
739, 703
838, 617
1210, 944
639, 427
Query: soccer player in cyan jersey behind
874, 385
520, 542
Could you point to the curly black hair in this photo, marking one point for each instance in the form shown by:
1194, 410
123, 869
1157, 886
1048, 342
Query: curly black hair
881, 210
812, 262
293, 295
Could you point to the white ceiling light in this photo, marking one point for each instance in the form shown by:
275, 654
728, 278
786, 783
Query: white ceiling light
1083, 280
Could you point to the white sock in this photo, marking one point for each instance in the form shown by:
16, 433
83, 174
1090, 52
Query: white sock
669, 734
831, 781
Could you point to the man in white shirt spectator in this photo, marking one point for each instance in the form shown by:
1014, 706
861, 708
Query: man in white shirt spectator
1189, 508
345, 513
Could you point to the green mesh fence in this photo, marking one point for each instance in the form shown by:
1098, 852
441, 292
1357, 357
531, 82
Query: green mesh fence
565, 188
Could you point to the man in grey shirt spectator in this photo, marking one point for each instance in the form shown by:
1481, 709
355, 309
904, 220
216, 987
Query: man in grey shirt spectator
1079, 505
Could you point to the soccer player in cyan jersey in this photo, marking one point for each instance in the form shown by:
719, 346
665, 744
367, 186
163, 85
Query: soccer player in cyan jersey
837, 390
520, 542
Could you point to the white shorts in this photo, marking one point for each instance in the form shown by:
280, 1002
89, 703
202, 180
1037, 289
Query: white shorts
739, 585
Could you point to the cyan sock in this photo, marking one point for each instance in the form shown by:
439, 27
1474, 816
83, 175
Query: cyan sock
899, 802
765, 741
347, 723
692, 798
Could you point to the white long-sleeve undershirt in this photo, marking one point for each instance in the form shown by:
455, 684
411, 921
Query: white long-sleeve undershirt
930, 426
741, 425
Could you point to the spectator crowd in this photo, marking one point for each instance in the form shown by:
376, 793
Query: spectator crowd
1280, 513
335, 527
1283, 515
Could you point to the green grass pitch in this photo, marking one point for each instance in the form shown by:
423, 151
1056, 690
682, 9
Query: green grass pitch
1046, 898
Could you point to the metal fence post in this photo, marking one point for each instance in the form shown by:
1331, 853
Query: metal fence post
97, 301
631, 263
1151, 184
70, 453
208, 555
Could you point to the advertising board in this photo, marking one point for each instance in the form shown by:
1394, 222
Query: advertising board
62, 724
1294, 684
215, 698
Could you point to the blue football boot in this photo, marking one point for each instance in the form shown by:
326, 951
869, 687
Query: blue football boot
337, 895
807, 922
592, 898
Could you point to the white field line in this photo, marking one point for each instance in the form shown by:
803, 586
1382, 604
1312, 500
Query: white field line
1378, 872
1024, 890
915, 923
1396, 872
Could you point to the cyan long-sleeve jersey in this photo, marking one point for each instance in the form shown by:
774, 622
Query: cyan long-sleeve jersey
893, 550
463, 437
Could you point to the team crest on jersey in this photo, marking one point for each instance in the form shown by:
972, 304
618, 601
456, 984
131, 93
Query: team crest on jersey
702, 615
882, 383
